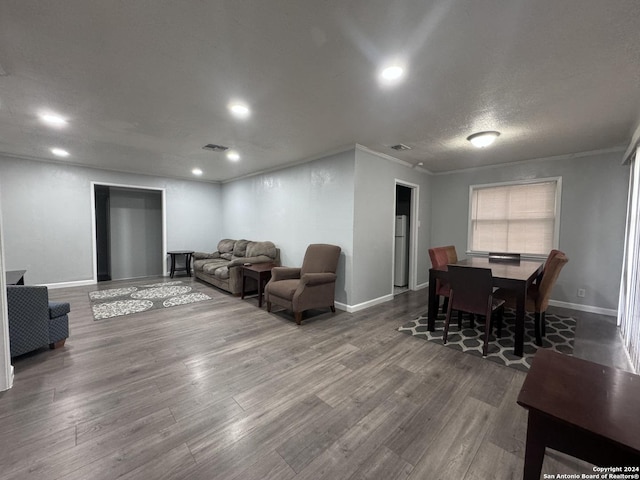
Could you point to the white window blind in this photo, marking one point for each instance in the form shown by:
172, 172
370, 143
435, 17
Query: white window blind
629, 304
516, 217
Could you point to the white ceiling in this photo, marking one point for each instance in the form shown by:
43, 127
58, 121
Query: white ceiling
146, 84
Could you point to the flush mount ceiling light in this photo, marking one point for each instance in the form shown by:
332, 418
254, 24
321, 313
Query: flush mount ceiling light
53, 119
59, 152
196, 171
483, 139
239, 110
233, 155
391, 74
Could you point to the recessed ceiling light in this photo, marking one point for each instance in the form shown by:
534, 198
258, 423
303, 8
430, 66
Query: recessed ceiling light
239, 110
53, 119
59, 152
233, 155
196, 171
483, 139
391, 74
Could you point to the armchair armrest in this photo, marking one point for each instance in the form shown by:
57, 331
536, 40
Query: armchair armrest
203, 255
284, 273
318, 278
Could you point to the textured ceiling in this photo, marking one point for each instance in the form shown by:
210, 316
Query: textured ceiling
146, 84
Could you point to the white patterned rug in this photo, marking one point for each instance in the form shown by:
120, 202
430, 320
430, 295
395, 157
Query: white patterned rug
114, 302
560, 332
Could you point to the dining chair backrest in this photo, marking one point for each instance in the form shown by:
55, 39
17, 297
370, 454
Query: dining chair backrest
441, 256
552, 254
472, 288
452, 255
551, 273
504, 257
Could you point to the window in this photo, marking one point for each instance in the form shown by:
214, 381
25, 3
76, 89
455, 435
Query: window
521, 217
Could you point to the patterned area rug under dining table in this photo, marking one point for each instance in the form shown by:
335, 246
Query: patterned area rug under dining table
114, 302
560, 332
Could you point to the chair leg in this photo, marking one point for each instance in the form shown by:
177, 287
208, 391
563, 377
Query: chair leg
333, 308
298, 317
472, 320
58, 344
445, 304
269, 307
536, 326
448, 319
487, 330
460, 320
543, 324
500, 315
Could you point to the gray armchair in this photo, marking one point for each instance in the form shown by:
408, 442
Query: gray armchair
34, 321
311, 286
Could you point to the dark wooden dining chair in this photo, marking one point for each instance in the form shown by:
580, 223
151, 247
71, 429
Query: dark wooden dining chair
472, 292
504, 257
538, 295
441, 257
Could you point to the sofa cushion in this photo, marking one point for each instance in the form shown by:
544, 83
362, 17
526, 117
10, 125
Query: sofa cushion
226, 245
226, 256
255, 249
240, 248
204, 255
212, 265
222, 273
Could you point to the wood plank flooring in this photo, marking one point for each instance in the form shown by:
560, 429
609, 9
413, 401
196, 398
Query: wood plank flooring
223, 390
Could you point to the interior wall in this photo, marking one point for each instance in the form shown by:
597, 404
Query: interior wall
592, 222
48, 230
374, 217
294, 207
135, 233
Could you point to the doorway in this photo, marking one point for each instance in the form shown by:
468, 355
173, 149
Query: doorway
129, 232
404, 238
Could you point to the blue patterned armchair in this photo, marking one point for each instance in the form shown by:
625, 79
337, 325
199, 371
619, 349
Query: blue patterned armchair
34, 321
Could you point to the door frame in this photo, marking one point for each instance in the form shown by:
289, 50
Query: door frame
413, 232
93, 222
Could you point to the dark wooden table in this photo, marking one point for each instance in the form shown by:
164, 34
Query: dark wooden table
187, 261
509, 275
583, 409
261, 272
15, 277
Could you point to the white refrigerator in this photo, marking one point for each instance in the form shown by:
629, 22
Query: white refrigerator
401, 273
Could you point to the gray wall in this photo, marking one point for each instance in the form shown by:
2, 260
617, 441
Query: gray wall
296, 206
46, 211
592, 227
374, 217
135, 233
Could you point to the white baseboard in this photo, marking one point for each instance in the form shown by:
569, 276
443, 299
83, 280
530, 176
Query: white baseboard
422, 285
79, 283
585, 308
363, 305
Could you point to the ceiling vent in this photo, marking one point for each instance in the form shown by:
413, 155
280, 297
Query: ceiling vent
400, 147
215, 148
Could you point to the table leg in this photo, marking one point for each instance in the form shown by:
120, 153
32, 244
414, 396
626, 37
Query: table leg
521, 296
244, 279
188, 263
433, 303
260, 290
173, 264
535, 448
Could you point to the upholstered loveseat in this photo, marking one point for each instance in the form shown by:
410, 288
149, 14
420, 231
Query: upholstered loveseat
222, 268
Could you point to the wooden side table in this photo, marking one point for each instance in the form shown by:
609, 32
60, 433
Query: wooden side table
187, 261
586, 410
261, 272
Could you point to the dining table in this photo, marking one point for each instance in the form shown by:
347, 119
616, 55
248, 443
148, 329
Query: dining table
515, 276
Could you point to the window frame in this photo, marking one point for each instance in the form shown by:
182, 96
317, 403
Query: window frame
556, 226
